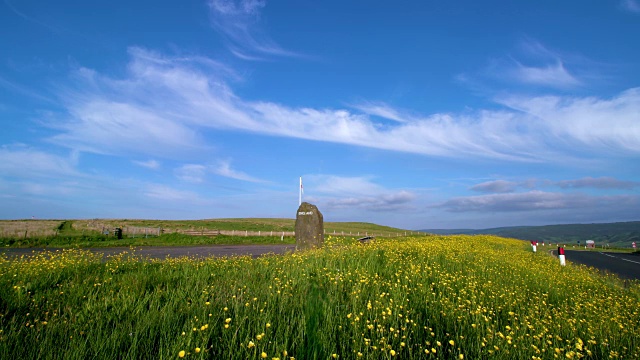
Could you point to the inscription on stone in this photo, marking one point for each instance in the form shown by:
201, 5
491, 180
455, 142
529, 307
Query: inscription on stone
309, 227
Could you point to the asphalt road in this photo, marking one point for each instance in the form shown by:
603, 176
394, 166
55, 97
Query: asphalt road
627, 266
162, 252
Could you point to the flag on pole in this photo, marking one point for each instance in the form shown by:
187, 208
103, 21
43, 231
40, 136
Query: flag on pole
301, 192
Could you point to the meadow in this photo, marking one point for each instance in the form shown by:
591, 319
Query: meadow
91, 233
427, 297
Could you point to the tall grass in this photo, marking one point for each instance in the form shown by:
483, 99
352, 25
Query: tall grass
99, 241
423, 298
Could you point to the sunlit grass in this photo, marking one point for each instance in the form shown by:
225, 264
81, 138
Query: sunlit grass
424, 298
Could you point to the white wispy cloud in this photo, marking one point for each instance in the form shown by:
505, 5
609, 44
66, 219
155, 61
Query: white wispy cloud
604, 182
196, 173
192, 173
162, 107
388, 202
549, 69
149, 164
95, 124
342, 192
382, 110
606, 124
343, 185
239, 22
163, 192
495, 186
223, 168
538, 200
508, 186
30, 18
22, 90
630, 6
553, 75
532, 64
22, 161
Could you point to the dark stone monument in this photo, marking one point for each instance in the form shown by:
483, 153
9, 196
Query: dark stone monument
309, 227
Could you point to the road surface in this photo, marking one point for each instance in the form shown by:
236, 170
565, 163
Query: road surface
627, 266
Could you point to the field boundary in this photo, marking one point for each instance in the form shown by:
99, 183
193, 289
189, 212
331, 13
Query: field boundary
26, 232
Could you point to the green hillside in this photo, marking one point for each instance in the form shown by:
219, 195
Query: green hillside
137, 232
241, 224
620, 234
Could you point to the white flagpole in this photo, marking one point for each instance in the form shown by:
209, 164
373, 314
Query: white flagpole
300, 197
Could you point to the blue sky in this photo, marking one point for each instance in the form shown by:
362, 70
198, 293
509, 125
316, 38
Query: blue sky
418, 114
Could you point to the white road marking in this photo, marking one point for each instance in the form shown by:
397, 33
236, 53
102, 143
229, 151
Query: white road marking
635, 262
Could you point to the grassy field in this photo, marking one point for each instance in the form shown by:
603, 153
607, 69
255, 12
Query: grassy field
439, 297
91, 233
18, 227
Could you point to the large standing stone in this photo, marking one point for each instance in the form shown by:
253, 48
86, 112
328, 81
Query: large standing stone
309, 227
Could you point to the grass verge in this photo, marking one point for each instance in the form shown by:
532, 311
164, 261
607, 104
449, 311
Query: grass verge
419, 298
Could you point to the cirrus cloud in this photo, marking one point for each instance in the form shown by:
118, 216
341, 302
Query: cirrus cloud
604, 182
238, 22
496, 186
358, 192
537, 200
164, 105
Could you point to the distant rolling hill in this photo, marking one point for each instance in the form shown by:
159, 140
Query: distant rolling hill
620, 234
